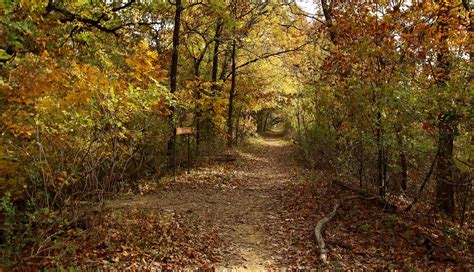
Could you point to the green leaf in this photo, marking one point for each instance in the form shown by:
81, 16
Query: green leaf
4, 55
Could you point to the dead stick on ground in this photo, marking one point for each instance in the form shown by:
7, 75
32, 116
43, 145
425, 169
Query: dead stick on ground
319, 227
319, 238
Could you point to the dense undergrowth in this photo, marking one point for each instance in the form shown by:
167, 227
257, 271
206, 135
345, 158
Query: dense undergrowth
91, 92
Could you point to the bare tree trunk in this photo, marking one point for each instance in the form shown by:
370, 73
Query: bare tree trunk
305, 127
215, 56
232, 86
173, 76
231, 97
327, 12
262, 116
380, 157
444, 167
197, 108
298, 126
403, 165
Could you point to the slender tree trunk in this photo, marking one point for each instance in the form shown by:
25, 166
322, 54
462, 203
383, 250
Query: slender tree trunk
232, 85
225, 64
197, 109
327, 12
259, 122
298, 125
215, 56
305, 127
173, 77
231, 97
403, 164
380, 157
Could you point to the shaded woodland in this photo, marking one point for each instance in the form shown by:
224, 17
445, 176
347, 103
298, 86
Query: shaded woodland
354, 117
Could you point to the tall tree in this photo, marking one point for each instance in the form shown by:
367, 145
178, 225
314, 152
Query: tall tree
173, 78
233, 82
447, 120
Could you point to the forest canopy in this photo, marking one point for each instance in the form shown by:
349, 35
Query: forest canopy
378, 94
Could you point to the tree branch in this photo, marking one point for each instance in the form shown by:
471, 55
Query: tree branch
268, 55
124, 6
95, 23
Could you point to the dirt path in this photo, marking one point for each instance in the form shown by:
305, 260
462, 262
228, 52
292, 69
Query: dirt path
235, 201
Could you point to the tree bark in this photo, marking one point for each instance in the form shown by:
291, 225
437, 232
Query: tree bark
231, 97
327, 12
380, 157
204, 126
215, 56
175, 52
444, 167
403, 165
265, 123
173, 76
232, 85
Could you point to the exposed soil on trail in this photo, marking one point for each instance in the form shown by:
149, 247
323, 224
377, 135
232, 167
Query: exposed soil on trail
236, 201
258, 213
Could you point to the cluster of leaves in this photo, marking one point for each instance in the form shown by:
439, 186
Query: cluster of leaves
79, 116
84, 103
378, 90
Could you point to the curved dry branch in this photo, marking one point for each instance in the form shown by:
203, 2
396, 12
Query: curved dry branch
319, 237
323, 255
268, 55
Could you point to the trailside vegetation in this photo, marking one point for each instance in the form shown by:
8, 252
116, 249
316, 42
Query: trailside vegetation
377, 95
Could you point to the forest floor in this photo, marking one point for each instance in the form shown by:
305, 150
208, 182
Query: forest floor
257, 213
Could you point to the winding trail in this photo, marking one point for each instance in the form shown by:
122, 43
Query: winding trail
236, 200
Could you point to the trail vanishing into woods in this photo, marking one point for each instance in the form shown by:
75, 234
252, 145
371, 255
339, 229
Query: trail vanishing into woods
258, 213
238, 201
375, 95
